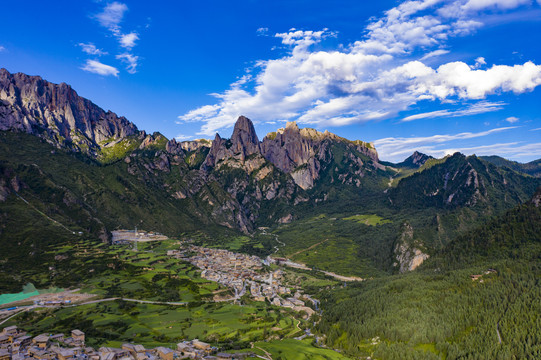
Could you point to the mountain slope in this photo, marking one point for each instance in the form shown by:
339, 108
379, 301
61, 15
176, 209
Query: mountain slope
532, 168
57, 114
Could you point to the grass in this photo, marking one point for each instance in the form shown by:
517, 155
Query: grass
371, 220
291, 349
114, 323
332, 243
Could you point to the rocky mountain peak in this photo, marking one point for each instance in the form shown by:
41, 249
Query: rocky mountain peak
292, 126
244, 139
58, 114
416, 160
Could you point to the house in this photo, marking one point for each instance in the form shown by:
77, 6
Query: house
165, 353
41, 341
296, 301
186, 350
4, 354
224, 356
78, 336
57, 338
139, 349
108, 356
65, 354
130, 348
10, 330
201, 345
4, 339
237, 356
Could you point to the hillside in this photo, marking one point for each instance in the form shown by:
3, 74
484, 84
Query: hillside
532, 168
93, 171
476, 296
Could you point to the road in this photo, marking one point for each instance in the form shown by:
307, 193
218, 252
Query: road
308, 248
33, 307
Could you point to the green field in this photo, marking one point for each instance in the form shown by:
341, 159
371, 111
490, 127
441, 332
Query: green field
371, 220
117, 322
332, 243
291, 349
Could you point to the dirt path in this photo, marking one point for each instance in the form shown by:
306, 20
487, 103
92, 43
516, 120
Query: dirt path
40, 212
267, 354
308, 248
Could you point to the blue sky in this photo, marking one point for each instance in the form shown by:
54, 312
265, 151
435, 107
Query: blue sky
430, 75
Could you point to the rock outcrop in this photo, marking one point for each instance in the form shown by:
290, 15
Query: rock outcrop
407, 253
415, 160
536, 199
298, 152
56, 113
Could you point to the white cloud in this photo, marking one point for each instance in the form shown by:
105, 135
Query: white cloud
480, 61
501, 4
477, 108
262, 31
434, 53
130, 60
396, 149
182, 137
372, 79
2, 49
112, 15
538, 129
91, 49
97, 67
128, 40
512, 119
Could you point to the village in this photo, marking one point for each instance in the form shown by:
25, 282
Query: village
244, 274
16, 344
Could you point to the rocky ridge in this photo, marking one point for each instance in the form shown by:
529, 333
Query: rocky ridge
415, 160
57, 114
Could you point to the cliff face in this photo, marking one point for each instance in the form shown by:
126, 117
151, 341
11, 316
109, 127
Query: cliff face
56, 113
303, 152
231, 178
407, 254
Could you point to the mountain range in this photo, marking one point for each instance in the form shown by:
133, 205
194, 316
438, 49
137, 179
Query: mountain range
93, 171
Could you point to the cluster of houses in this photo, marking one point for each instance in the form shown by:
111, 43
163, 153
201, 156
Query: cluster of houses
241, 273
18, 345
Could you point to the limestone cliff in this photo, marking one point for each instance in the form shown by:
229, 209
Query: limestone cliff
407, 252
56, 113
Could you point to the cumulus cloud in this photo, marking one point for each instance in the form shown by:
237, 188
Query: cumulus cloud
130, 60
512, 119
99, 68
371, 79
128, 40
397, 148
91, 49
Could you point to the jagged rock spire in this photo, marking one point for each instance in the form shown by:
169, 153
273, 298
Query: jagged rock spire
244, 138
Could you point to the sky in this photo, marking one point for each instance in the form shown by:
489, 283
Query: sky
435, 76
